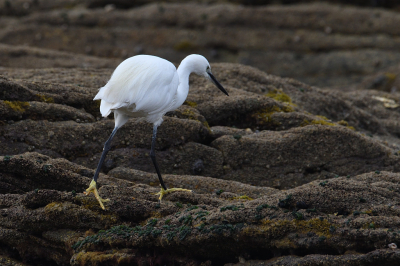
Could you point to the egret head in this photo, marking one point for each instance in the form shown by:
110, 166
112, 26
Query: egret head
201, 67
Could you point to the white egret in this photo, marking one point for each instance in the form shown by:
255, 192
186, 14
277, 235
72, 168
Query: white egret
147, 87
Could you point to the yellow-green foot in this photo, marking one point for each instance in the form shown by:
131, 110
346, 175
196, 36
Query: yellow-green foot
164, 192
92, 189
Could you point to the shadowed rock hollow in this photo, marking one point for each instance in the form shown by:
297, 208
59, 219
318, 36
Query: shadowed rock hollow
282, 173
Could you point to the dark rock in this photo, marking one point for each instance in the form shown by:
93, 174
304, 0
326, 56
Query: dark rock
331, 154
198, 167
325, 52
276, 155
199, 184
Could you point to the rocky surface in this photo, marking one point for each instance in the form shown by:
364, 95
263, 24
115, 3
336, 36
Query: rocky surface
281, 172
278, 169
310, 42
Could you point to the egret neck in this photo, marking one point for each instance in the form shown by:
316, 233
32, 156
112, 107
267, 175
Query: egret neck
184, 70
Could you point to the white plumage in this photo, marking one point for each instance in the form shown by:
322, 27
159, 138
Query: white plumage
141, 86
147, 87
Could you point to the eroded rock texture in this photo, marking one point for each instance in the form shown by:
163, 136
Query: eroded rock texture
282, 173
336, 161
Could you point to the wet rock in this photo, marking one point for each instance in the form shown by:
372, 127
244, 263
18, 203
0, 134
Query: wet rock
333, 153
176, 160
10, 262
32, 57
376, 256
200, 184
219, 131
18, 110
326, 52
184, 220
189, 112
310, 229
72, 139
272, 155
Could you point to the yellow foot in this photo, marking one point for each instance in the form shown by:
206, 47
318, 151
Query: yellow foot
92, 189
164, 192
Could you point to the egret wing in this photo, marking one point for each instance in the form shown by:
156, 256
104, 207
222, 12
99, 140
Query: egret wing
141, 83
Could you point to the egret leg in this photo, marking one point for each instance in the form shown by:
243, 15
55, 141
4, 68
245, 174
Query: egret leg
164, 190
92, 187
153, 157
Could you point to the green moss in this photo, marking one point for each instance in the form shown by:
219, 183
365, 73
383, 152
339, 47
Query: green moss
298, 215
318, 226
191, 104
192, 208
325, 121
184, 46
243, 197
17, 105
323, 117
124, 231
44, 98
152, 222
205, 123
276, 229
156, 233
285, 203
322, 184
184, 231
171, 235
156, 214
189, 114
201, 214
311, 210
316, 122
46, 168
371, 225
186, 219
7, 158
230, 207
346, 124
219, 228
279, 95
237, 137
261, 207
89, 203
192, 116
264, 116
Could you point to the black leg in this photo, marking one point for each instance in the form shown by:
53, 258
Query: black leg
106, 148
153, 157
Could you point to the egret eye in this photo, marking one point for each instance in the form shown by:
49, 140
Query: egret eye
208, 69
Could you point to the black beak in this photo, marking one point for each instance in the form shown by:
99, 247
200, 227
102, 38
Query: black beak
219, 86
